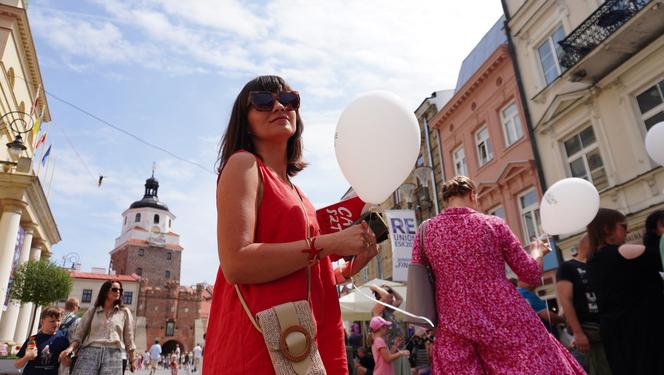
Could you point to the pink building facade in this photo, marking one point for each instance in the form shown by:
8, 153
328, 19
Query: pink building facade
484, 136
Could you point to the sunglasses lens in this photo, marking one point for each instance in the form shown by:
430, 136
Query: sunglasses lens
262, 100
290, 100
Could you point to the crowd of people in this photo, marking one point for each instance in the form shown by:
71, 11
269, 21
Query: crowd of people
286, 318
156, 358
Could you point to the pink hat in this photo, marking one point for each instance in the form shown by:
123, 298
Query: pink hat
377, 323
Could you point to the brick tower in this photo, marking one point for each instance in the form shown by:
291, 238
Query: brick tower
148, 247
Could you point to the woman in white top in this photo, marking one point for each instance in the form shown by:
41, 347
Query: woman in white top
105, 331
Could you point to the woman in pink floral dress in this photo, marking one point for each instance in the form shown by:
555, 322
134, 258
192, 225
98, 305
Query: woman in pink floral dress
484, 325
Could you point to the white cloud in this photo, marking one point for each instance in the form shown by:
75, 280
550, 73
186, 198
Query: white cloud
328, 50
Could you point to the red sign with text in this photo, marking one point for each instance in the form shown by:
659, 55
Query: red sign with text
340, 215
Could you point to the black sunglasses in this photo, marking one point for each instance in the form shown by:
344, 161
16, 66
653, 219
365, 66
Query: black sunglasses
116, 290
263, 101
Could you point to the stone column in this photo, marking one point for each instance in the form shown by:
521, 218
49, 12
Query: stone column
35, 254
8, 323
24, 314
9, 224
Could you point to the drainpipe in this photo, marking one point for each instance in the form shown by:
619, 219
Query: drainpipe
526, 112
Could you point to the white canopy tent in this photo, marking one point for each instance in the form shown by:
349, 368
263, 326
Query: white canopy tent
355, 306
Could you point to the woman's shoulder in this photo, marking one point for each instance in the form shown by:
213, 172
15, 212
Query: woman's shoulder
237, 166
241, 159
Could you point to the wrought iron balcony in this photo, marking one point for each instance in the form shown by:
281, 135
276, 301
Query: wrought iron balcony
599, 26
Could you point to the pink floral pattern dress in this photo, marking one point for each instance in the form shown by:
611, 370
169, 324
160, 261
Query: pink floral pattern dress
484, 325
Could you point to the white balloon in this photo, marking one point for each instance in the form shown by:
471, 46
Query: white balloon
655, 143
568, 206
377, 142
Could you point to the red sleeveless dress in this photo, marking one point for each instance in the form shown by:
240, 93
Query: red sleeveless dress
232, 344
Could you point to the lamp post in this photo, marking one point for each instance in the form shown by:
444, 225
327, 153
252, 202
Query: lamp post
407, 190
71, 257
18, 124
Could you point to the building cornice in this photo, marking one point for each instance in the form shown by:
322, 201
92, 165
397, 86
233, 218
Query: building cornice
497, 58
26, 187
28, 55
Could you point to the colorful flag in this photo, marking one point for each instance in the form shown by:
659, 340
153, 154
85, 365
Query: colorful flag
34, 102
48, 152
36, 126
41, 140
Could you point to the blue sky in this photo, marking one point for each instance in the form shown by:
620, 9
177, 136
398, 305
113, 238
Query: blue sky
168, 71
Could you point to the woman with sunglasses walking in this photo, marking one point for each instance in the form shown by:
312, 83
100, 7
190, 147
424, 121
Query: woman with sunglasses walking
103, 333
269, 245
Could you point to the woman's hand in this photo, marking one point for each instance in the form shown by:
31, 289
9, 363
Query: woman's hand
64, 356
351, 241
539, 249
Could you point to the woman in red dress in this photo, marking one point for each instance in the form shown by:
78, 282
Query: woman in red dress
262, 235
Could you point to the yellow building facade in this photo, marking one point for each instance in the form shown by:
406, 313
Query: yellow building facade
27, 227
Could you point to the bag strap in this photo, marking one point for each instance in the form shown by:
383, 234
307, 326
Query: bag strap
237, 288
422, 232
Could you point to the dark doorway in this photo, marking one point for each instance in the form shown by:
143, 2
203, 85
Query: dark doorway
170, 345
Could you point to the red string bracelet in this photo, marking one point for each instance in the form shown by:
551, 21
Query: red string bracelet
312, 250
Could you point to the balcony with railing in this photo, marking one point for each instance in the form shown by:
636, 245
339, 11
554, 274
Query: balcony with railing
614, 32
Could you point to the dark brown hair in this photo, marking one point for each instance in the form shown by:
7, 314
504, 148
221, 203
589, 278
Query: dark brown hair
51, 312
237, 135
603, 226
103, 293
650, 237
458, 186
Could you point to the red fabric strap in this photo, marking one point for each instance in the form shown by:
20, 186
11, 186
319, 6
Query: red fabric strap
312, 250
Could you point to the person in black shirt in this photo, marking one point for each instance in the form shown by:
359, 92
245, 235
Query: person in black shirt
39, 353
579, 303
630, 295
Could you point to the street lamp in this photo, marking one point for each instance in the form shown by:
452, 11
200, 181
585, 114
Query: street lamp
71, 257
19, 123
16, 147
407, 190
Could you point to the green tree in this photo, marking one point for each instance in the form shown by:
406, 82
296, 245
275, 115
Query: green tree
40, 282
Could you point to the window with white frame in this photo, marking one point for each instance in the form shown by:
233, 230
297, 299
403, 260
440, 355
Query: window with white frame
530, 215
549, 52
483, 143
498, 211
460, 167
584, 159
509, 117
651, 104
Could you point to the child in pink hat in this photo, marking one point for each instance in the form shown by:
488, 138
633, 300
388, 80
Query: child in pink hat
382, 355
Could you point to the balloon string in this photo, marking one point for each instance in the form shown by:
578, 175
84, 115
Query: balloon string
352, 283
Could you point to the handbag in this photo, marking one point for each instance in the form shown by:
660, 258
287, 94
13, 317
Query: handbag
289, 331
420, 297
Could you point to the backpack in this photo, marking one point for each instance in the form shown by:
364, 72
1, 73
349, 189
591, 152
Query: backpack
67, 324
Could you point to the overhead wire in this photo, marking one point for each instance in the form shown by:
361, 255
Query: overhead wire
119, 129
